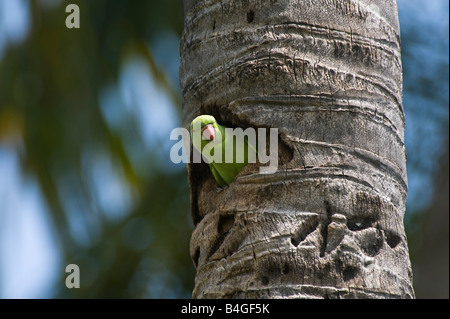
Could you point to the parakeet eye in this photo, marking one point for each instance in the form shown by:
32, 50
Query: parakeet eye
208, 133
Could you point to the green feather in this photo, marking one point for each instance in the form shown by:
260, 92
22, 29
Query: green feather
224, 173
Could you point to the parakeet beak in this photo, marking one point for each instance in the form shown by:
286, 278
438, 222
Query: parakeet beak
208, 133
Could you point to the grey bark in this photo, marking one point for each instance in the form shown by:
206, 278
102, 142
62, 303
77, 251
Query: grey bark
327, 74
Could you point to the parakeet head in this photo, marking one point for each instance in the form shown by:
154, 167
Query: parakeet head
209, 131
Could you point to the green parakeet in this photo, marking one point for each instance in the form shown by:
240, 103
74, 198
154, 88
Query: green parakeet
212, 137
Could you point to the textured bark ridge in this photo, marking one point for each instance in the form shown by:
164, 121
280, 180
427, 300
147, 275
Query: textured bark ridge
327, 74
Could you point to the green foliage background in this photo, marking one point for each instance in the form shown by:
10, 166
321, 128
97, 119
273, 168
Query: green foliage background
49, 94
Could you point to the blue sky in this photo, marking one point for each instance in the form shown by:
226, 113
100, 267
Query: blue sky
29, 257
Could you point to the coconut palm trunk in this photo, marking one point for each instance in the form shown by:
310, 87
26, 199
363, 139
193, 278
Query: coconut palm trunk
327, 74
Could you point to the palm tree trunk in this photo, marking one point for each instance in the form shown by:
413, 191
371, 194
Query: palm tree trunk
327, 74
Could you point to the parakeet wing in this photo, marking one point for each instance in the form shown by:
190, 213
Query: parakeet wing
217, 176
